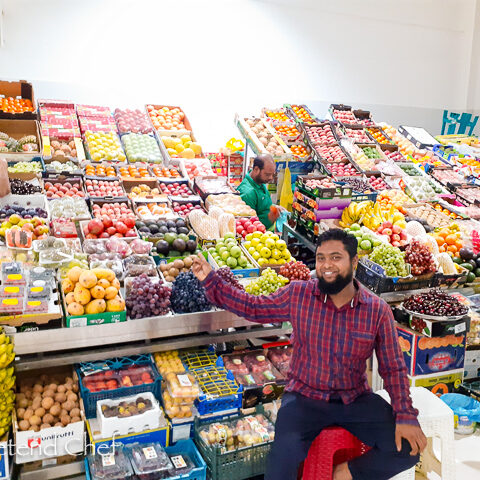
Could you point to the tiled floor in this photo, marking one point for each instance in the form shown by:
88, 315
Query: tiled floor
467, 453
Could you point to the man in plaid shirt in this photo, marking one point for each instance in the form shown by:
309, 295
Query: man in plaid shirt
336, 324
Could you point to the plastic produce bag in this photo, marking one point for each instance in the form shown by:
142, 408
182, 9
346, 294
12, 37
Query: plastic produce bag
466, 410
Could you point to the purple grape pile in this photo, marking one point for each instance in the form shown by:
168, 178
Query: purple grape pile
147, 299
420, 258
435, 302
230, 278
188, 295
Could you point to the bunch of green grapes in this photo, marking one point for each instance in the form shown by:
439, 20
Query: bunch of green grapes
267, 283
391, 259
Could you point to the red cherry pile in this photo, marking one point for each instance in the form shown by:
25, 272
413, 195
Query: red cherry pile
106, 227
295, 271
244, 226
112, 210
435, 302
67, 189
176, 189
321, 135
184, 209
378, 183
104, 188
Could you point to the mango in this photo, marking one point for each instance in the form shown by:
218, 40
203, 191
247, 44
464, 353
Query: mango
104, 283
87, 279
75, 309
117, 304
97, 291
70, 298
67, 285
74, 274
105, 273
82, 294
111, 292
116, 283
96, 306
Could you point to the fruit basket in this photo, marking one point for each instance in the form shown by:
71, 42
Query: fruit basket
320, 134
227, 461
96, 375
373, 276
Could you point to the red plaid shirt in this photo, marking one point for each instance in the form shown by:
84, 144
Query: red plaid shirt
331, 345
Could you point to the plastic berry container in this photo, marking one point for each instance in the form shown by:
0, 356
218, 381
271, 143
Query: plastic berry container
182, 463
7, 291
11, 306
36, 305
150, 461
12, 273
183, 386
41, 273
113, 465
39, 289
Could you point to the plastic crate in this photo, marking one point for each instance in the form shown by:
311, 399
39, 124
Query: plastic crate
202, 358
220, 391
379, 283
187, 446
90, 399
235, 465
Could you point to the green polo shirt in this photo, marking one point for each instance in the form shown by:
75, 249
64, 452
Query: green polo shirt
257, 197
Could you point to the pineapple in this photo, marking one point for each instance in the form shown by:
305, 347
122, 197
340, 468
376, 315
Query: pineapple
4, 136
28, 139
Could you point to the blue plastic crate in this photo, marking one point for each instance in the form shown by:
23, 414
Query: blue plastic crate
182, 446
187, 446
212, 400
90, 399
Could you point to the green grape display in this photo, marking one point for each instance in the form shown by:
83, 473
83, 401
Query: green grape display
267, 283
391, 259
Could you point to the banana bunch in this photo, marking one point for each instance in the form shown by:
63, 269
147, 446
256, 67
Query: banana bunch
7, 382
7, 355
355, 213
375, 217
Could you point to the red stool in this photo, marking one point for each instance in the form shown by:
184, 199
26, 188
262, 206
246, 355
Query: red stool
333, 446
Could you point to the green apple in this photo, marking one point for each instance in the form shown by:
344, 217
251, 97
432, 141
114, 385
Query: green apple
232, 262
235, 251
225, 256
242, 261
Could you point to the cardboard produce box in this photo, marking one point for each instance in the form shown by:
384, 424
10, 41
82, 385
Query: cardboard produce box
425, 355
439, 383
17, 129
19, 88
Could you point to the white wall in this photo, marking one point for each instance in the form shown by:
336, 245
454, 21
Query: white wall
406, 60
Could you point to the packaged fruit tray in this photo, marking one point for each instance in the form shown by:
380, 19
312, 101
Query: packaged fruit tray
220, 391
59, 186
132, 414
342, 114
357, 135
278, 114
364, 118
373, 277
432, 216
104, 146
100, 171
159, 116
320, 134
379, 136
287, 131
116, 378
138, 172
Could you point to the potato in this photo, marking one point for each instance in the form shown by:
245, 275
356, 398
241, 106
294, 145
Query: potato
60, 397
48, 418
72, 397
40, 412
65, 419
75, 412
37, 388
47, 403
61, 389
24, 425
75, 419
35, 420
53, 387
44, 426
55, 410
48, 393
68, 405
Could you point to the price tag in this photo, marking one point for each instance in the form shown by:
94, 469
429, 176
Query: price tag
36, 289
12, 289
184, 381
178, 461
108, 460
149, 453
461, 327
14, 276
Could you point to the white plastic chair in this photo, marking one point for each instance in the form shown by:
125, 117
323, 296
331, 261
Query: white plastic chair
436, 419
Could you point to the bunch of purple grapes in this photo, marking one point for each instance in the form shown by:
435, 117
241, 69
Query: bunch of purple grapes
230, 278
147, 299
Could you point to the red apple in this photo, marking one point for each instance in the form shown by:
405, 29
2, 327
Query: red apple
95, 226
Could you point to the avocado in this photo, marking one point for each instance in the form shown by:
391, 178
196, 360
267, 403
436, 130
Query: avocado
477, 272
467, 266
170, 237
458, 260
470, 277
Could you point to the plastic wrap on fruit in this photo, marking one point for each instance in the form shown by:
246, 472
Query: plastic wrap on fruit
141, 246
93, 246
115, 265
117, 245
257, 363
236, 365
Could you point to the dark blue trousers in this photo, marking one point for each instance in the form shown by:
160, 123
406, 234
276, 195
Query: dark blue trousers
370, 418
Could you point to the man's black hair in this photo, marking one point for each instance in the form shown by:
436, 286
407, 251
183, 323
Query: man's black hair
259, 162
348, 240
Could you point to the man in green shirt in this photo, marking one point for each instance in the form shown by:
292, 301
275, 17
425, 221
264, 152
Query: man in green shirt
254, 192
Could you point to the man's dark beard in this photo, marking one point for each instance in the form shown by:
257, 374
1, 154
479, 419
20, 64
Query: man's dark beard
332, 288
